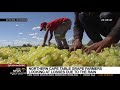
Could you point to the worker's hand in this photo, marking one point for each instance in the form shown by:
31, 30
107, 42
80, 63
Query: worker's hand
43, 45
60, 47
76, 45
98, 46
49, 43
66, 47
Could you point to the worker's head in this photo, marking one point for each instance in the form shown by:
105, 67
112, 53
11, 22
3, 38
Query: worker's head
43, 26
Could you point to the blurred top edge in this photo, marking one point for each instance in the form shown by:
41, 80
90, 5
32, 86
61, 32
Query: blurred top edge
59, 5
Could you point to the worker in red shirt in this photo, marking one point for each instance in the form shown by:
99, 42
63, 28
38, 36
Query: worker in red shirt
60, 27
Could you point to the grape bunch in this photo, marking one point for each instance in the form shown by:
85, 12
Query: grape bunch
41, 56
52, 56
109, 57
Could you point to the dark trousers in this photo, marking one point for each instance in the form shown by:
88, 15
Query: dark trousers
97, 25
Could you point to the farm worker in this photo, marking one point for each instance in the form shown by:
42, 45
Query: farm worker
96, 24
59, 26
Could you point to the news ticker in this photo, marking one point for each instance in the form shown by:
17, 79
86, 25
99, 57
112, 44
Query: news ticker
73, 70
13, 19
24, 70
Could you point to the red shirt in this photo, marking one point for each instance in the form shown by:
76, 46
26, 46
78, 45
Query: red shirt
52, 25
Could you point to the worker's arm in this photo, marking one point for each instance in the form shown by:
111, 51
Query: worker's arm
113, 37
78, 33
51, 35
45, 37
115, 33
78, 29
